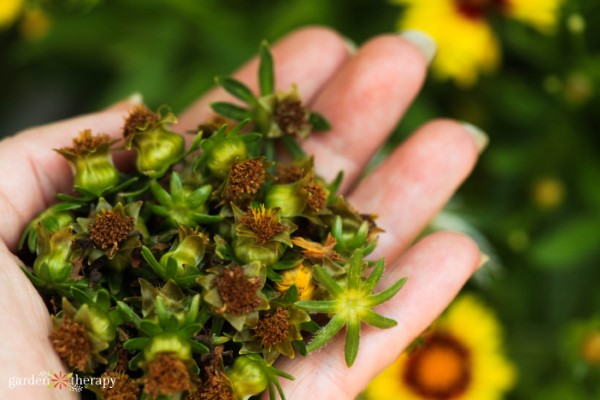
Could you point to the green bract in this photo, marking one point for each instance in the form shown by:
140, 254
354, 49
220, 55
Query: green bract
190, 276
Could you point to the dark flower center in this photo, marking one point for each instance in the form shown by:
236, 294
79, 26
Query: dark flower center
263, 222
71, 342
245, 178
273, 328
238, 291
167, 375
316, 196
439, 369
140, 117
124, 387
109, 229
289, 173
214, 388
478, 8
291, 116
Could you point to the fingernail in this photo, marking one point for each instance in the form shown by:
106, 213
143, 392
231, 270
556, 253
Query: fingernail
351, 45
480, 137
136, 98
483, 259
423, 41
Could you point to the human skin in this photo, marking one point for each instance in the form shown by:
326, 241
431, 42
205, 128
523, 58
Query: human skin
363, 94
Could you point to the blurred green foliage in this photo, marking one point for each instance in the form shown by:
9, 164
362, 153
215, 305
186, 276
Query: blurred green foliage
535, 194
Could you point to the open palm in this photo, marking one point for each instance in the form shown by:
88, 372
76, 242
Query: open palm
363, 95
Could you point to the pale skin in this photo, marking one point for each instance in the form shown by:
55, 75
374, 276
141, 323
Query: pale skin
363, 95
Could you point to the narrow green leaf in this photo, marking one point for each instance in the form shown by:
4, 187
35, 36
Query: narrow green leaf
319, 306
237, 89
386, 294
376, 274
318, 122
379, 321
352, 341
230, 111
176, 187
327, 333
160, 194
149, 329
155, 265
327, 281
136, 343
355, 270
266, 75
293, 147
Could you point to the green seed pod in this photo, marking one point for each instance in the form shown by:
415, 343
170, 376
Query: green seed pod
288, 198
247, 251
157, 148
223, 156
91, 162
188, 252
168, 343
247, 377
53, 264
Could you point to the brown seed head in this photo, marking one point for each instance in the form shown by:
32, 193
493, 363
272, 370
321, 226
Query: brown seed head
289, 173
273, 328
263, 222
140, 116
87, 142
109, 229
245, 178
238, 291
71, 342
316, 196
167, 375
125, 388
216, 387
291, 116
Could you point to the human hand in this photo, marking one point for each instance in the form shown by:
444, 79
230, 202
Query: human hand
363, 95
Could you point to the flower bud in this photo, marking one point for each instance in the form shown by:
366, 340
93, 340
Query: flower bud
53, 264
157, 147
91, 162
301, 276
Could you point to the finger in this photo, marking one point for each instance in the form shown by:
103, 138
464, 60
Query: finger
26, 326
437, 267
307, 57
363, 103
415, 182
34, 173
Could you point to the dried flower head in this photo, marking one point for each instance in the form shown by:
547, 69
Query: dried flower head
139, 118
273, 328
238, 291
167, 375
109, 229
245, 179
71, 342
87, 142
292, 117
124, 387
264, 222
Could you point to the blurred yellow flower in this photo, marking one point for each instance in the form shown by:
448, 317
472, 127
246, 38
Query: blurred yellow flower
35, 24
9, 11
460, 358
466, 42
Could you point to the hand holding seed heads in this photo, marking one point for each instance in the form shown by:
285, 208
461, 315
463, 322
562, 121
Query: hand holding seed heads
215, 269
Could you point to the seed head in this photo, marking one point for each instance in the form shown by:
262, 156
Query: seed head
238, 291
273, 328
87, 142
245, 178
71, 342
167, 375
109, 229
264, 222
124, 387
291, 116
140, 117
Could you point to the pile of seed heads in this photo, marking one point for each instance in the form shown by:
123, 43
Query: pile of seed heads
190, 274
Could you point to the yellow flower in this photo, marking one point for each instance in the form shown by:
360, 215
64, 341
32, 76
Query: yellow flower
466, 42
460, 359
9, 11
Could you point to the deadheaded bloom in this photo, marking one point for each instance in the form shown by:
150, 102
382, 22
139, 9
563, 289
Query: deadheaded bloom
298, 193
244, 180
81, 334
157, 147
236, 292
91, 162
273, 334
113, 232
261, 234
53, 218
125, 388
166, 375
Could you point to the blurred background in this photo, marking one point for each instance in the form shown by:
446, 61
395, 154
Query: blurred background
528, 75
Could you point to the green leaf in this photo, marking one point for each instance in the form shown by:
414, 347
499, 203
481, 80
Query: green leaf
324, 279
386, 294
376, 274
176, 186
319, 306
155, 265
237, 89
293, 147
160, 194
327, 333
136, 343
318, 122
150, 329
230, 111
266, 76
352, 341
378, 321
